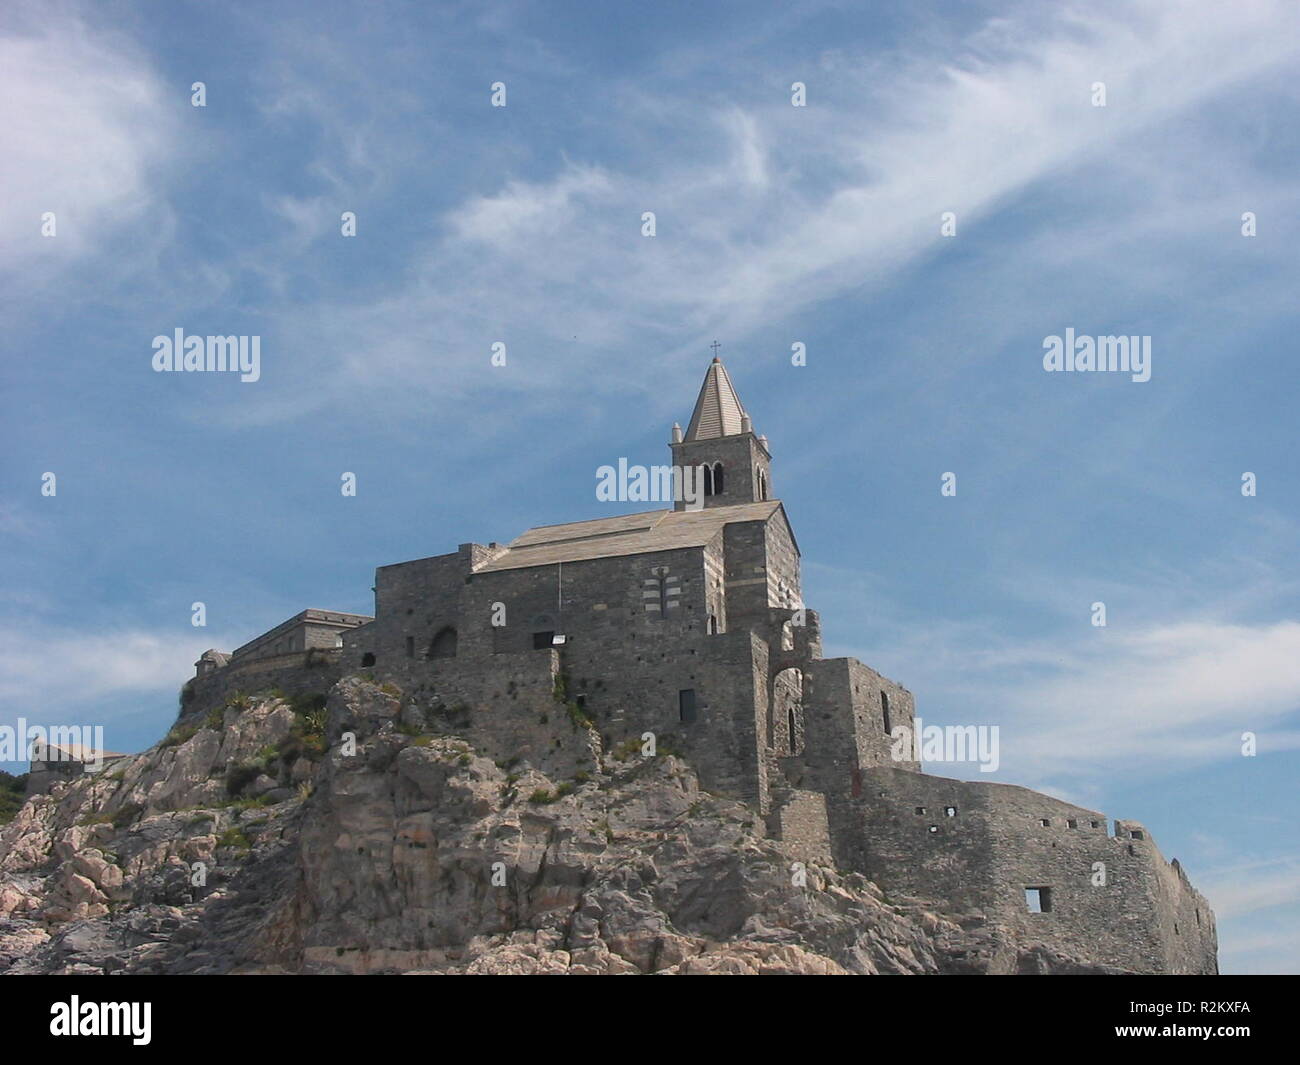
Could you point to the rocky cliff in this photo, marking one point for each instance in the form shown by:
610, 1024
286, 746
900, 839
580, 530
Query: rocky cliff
381, 832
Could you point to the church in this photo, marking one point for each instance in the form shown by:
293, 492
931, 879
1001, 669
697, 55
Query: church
689, 625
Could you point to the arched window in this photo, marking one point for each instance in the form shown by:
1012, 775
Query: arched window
712, 628
793, 733
708, 479
367, 659
717, 478
884, 712
444, 644
762, 485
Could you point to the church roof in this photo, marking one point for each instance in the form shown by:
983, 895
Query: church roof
718, 410
626, 534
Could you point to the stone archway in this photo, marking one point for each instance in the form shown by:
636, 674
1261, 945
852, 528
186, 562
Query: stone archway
785, 712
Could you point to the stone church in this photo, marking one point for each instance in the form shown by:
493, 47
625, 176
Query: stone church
690, 624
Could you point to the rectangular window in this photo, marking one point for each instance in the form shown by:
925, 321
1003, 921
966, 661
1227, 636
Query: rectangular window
410, 647
542, 639
686, 706
1038, 899
884, 713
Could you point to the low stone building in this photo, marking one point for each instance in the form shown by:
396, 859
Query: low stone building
55, 763
689, 625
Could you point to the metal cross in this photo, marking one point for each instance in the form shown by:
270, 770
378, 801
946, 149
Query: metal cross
715, 345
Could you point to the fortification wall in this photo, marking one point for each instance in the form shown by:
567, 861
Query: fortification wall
311, 672
977, 847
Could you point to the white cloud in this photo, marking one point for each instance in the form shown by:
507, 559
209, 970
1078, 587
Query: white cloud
46, 671
1156, 695
85, 126
767, 209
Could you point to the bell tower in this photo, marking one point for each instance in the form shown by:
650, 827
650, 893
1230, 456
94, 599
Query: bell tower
735, 465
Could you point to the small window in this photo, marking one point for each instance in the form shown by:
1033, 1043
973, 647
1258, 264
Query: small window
410, 647
1072, 824
368, 659
1139, 835
712, 627
581, 700
1038, 899
542, 639
884, 713
1046, 822
934, 828
950, 811
920, 809
717, 478
686, 706
1095, 824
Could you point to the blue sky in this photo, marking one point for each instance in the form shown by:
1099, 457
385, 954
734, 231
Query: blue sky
775, 225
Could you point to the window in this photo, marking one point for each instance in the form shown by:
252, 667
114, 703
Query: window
712, 627
686, 706
762, 485
790, 724
1139, 835
950, 811
920, 809
1072, 824
410, 647
934, 828
443, 644
1046, 822
1095, 824
542, 639
884, 712
708, 479
717, 478
1038, 899
368, 659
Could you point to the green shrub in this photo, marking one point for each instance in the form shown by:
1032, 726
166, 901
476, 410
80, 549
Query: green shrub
178, 735
125, 815
578, 717
542, 797
12, 790
234, 837
241, 774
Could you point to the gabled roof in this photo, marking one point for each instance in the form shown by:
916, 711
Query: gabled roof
718, 410
627, 534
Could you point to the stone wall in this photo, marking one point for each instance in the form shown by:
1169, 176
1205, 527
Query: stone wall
311, 672
976, 847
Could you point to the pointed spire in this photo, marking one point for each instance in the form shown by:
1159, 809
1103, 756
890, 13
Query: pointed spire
718, 411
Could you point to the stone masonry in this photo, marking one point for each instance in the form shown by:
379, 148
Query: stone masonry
689, 624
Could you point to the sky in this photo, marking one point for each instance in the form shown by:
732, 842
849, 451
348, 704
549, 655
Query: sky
950, 195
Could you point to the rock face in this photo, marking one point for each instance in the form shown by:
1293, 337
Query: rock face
369, 836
